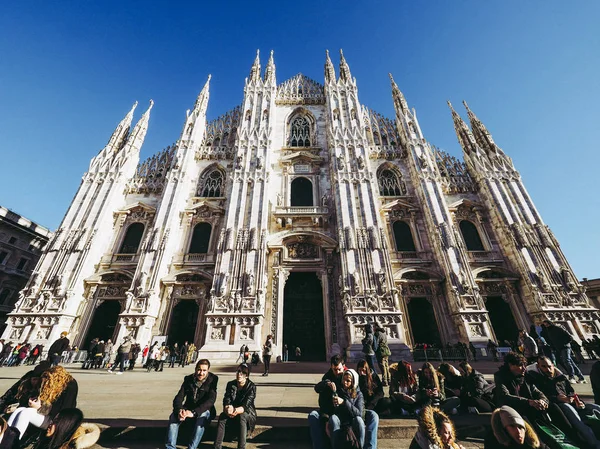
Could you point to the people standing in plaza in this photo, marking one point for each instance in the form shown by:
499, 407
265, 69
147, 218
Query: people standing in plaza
241, 354
238, 405
133, 355
368, 346
145, 355
246, 353
492, 349
57, 348
530, 349
326, 389
163, 355
108, 352
153, 357
195, 400
122, 355
173, 355
298, 353
383, 353
267, 353
285, 353
560, 340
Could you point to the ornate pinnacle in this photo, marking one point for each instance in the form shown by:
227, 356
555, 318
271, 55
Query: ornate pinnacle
463, 133
119, 135
399, 100
345, 74
329, 69
270, 70
202, 99
482, 135
138, 134
255, 70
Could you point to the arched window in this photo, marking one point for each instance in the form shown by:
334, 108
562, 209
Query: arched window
390, 184
403, 237
300, 132
133, 238
212, 185
4, 295
471, 236
302, 192
200, 239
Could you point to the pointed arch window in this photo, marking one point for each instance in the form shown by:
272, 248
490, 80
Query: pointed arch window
403, 237
390, 184
133, 238
5, 295
212, 184
200, 239
301, 192
300, 132
471, 236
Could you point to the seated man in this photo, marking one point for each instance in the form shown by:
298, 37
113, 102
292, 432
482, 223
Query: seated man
330, 384
557, 388
238, 406
514, 390
195, 400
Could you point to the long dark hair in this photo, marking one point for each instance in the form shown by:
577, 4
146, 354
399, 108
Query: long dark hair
360, 365
405, 375
66, 423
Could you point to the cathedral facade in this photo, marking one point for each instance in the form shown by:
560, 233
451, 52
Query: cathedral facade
302, 214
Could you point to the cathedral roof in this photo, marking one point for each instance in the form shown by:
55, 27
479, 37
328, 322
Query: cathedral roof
300, 90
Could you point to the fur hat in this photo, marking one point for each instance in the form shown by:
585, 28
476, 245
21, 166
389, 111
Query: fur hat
502, 435
355, 377
86, 436
509, 416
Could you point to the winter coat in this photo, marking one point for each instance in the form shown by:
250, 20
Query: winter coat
427, 437
514, 391
383, 350
325, 393
125, 346
10, 438
550, 386
475, 386
242, 397
351, 407
556, 336
59, 346
268, 348
530, 348
368, 344
500, 439
371, 400
197, 398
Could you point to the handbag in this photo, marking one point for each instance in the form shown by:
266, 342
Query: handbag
348, 439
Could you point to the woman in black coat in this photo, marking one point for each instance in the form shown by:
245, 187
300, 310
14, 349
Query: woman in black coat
238, 405
476, 393
372, 389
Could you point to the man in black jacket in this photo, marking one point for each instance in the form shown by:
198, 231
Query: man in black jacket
57, 348
560, 340
238, 407
196, 400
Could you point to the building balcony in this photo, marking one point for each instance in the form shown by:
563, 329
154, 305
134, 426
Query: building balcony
194, 259
301, 215
484, 256
412, 256
125, 259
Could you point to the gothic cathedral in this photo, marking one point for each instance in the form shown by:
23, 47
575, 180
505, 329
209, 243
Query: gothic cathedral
305, 215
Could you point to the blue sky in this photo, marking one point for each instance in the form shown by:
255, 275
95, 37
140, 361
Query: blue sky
529, 70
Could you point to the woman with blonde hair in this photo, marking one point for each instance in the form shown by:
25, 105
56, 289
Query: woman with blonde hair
432, 390
435, 431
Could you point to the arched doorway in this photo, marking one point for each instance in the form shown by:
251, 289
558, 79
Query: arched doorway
303, 319
184, 320
106, 318
422, 321
301, 192
502, 319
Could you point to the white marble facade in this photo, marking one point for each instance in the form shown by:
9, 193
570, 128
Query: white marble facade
300, 178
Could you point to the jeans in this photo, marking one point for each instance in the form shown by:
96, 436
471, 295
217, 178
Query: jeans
241, 420
371, 426
201, 422
572, 368
584, 431
172, 361
120, 360
267, 362
55, 359
335, 426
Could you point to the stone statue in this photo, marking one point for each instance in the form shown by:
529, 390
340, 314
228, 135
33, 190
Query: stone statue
279, 202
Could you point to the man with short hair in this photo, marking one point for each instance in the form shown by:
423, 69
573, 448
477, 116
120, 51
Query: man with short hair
557, 388
327, 389
195, 400
560, 340
530, 349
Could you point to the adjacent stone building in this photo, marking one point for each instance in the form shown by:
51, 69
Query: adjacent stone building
303, 214
21, 244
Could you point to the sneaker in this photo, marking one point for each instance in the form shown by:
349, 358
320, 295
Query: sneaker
572, 380
582, 380
119, 372
473, 410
